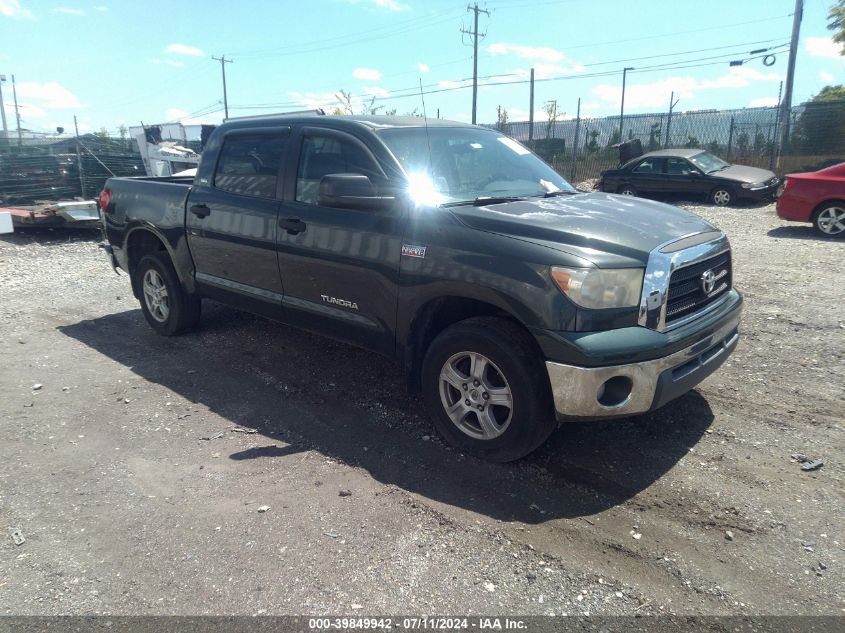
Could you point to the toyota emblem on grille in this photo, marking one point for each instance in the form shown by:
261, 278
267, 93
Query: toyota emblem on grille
708, 281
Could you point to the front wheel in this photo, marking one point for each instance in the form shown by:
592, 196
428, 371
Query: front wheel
830, 219
722, 197
167, 307
485, 386
627, 190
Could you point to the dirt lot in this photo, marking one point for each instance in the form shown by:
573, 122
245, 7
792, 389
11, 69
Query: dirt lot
696, 509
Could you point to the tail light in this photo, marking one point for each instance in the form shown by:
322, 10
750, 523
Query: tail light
105, 200
787, 184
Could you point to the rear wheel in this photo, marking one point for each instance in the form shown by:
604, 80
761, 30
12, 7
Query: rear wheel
722, 197
486, 389
830, 219
167, 307
627, 190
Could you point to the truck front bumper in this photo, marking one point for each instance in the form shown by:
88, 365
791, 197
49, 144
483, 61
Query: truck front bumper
621, 390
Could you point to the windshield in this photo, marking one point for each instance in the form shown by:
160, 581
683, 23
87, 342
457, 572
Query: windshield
469, 163
708, 162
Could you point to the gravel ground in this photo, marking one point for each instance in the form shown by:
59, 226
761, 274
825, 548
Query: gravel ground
698, 508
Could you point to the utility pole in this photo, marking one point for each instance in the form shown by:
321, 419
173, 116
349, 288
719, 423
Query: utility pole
622, 108
17, 111
786, 104
575, 144
223, 61
531, 113
3, 109
79, 159
474, 33
672, 104
774, 151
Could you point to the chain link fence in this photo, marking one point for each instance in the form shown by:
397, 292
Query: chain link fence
49, 168
581, 148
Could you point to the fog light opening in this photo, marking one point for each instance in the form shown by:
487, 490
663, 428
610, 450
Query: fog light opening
615, 391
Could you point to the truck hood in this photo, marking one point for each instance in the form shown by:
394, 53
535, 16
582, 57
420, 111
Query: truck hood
608, 230
743, 173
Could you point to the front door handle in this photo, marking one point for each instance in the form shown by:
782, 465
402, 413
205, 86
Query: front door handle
292, 225
200, 210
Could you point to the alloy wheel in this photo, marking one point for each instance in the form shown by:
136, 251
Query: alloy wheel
831, 221
722, 197
155, 296
476, 395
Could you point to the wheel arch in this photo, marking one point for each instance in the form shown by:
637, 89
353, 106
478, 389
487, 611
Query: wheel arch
437, 314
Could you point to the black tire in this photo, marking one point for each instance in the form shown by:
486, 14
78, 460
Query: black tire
826, 219
626, 190
516, 363
182, 310
723, 196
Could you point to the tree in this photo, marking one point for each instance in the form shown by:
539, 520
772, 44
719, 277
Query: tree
836, 23
821, 124
713, 146
615, 137
654, 136
592, 145
692, 141
502, 120
742, 142
550, 108
345, 99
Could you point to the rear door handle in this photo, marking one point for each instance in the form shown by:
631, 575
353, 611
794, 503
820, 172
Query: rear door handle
200, 210
292, 225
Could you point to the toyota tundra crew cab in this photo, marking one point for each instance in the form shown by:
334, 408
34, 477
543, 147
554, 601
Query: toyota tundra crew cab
512, 299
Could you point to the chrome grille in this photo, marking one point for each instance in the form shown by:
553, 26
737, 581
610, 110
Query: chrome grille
687, 293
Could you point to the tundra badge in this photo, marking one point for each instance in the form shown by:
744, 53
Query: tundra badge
340, 302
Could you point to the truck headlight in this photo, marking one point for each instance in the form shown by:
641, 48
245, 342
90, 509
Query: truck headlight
597, 288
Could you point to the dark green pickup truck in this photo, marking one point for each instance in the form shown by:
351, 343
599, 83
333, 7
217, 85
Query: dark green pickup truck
512, 299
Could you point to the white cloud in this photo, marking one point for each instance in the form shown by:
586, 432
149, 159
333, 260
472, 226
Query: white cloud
166, 62
423, 68
366, 74
69, 11
656, 94
763, 102
29, 111
101, 8
545, 71
449, 84
823, 47
185, 118
184, 49
375, 91
325, 100
388, 5
13, 9
826, 77
49, 95
542, 53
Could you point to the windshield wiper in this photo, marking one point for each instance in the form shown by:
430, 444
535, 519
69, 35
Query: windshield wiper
484, 201
718, 169
552, 194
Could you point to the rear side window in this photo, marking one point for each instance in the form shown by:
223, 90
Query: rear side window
650, 166
249, 165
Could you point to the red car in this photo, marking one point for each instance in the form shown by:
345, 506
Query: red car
817, 197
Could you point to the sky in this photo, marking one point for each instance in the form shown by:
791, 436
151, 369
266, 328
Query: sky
122, 62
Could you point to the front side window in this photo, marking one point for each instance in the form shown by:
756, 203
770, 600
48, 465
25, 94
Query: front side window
455, 165
329, 154
249, 165
679, 167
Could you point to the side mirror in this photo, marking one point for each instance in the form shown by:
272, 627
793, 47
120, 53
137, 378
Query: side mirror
351, 191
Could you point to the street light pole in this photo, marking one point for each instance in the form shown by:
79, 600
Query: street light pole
622, 107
